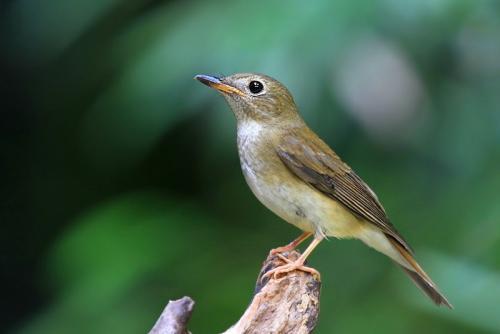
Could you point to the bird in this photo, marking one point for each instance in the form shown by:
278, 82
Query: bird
302, 180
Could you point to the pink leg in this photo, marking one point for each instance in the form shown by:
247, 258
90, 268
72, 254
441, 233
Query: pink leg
292, 245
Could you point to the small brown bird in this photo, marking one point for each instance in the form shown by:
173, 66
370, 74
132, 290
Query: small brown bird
298, 177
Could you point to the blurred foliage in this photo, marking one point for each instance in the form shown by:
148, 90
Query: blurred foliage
122, 186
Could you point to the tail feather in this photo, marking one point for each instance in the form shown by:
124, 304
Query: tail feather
428, 288
419, 276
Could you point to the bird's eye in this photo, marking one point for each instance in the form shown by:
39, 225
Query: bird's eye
256, 87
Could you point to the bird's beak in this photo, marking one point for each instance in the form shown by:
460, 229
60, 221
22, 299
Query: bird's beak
218, 84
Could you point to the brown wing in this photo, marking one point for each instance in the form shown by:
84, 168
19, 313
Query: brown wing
315, 163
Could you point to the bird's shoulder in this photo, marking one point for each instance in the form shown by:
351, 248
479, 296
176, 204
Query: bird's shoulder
303, 144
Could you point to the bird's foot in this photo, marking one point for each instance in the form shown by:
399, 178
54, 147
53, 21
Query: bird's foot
284, 258
291, 266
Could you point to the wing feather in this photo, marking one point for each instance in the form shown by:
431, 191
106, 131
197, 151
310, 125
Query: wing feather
315, 163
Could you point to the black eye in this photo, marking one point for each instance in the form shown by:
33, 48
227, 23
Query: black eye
256, 87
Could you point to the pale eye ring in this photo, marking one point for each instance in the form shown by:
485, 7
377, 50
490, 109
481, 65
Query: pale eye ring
255, 87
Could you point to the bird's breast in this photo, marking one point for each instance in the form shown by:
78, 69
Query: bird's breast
282, 192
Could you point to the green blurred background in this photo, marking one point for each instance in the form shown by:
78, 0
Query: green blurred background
121, 183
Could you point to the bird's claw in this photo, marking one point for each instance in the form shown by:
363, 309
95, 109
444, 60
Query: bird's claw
284, 258
288, 267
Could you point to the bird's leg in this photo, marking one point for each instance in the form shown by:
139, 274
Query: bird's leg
292, 245
297, 264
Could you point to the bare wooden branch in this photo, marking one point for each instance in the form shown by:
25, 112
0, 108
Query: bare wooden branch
174, 318
288, 304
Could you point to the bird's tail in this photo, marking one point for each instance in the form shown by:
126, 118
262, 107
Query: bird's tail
418, 275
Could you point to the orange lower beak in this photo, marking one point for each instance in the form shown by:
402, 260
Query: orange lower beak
216, 83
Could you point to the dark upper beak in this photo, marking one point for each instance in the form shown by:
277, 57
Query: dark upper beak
216, 83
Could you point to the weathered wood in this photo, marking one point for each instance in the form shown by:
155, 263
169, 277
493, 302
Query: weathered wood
288, 304
174, 318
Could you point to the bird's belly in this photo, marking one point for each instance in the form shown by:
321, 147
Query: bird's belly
301, 205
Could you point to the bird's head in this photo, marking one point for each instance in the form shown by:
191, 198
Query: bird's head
254, 96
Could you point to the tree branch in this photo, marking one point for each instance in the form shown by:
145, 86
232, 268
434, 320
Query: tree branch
289, 304
174, 318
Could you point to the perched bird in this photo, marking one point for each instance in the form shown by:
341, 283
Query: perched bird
301, 179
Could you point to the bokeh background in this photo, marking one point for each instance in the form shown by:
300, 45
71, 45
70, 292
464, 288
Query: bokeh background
121, 186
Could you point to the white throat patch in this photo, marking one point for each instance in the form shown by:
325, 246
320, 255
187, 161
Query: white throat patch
249, 130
